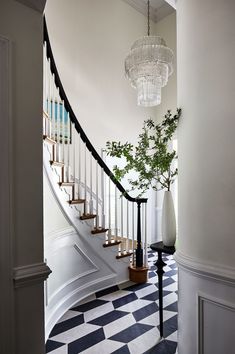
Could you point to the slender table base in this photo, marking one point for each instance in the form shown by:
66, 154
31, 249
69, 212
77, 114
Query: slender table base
160, 248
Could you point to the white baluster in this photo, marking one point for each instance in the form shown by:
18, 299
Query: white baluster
127, 225
91, 186
133, 232
116, 214
58, 126
79, 169
53, 108
97, 196
110, 213
68, 147
102, 191
85, 179
44, 90
146, 237
74, 159
49, 97
123, 246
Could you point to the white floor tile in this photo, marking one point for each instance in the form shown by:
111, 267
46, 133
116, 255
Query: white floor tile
116, 295
75, 333
144, 342
134, 305
119, 325
152, 320
171, 287
69, 314
153, 280
146, 291
61, 350
173, 337
98, 311
169, 299
105, 347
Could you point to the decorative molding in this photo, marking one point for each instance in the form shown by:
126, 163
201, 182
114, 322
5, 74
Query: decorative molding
73, 297
158, 8
201, 300
37, 5
213, 271
7, 321
30, 274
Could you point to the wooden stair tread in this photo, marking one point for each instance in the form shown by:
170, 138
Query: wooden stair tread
100, 230
111, 243
49, 140
76, 201
122, 255
87, 216
57, 163
66, 184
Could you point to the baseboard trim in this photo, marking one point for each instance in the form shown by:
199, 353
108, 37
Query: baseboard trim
30, 274
72, 298
215, 272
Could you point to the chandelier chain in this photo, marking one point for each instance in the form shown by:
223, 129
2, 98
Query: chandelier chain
148, 17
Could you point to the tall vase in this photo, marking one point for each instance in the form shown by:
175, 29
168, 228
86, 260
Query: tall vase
168, 220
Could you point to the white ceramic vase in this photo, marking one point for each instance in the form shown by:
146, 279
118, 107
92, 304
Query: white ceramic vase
168, 220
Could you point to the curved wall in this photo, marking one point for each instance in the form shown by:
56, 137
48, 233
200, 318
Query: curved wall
206, 91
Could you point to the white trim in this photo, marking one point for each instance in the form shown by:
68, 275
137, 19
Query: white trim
213, 271
156, 13
202, 298
75, 296
31, 274
7, 323
37, 5
73, 280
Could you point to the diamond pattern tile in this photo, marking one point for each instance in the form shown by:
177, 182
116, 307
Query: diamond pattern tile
122, 320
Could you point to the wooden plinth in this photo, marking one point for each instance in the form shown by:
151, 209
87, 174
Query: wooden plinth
139, 274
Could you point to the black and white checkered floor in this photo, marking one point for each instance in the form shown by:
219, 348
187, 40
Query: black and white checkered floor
122, 319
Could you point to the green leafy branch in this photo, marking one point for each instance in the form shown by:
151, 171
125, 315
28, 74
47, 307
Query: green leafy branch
151, 157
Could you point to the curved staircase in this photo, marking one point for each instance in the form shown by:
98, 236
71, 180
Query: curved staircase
110, 227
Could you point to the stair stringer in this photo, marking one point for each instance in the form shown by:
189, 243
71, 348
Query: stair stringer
107, 270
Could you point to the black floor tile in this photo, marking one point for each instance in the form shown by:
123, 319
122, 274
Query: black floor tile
108, 318
66, 325
169, 326
164, 347
52, 345
122, 350
85, 342
132, 332
172, 307
124, 300
145, 311
155, 295
107, 291
89, 305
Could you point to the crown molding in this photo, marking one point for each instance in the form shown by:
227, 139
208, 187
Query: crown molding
37, 5
30, 274
213, 271
158, 8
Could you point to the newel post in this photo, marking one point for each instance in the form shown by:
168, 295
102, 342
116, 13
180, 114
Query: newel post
139, 250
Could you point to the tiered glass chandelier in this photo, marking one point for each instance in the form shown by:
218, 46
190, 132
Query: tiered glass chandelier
148, 66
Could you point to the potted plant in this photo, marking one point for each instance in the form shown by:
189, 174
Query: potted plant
152, 159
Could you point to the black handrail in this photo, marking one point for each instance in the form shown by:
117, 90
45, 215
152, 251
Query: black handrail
78, 126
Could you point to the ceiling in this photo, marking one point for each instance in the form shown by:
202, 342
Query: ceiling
158, 8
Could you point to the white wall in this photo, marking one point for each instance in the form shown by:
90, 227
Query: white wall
206, 89
90, 47
23, 28
166, 28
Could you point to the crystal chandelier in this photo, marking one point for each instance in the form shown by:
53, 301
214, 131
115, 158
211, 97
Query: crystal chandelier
148, 66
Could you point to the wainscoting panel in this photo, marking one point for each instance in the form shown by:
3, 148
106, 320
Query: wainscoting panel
216, 320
